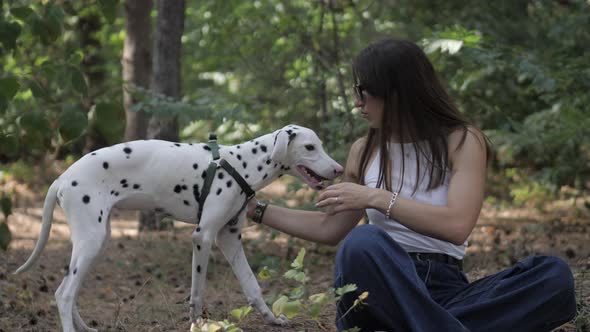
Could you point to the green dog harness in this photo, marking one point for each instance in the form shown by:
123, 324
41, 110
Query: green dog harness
212, 169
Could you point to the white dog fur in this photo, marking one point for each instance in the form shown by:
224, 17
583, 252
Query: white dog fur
167, 177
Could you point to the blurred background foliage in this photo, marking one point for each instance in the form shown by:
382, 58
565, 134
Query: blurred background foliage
519, 69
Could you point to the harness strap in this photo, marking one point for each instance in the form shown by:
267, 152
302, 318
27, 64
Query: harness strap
212, 169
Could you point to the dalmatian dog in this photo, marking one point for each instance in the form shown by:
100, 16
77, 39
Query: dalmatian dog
167, 177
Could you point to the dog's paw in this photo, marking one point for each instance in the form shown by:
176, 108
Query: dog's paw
282, 320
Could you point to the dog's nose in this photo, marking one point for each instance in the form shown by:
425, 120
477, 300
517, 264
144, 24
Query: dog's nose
338, 170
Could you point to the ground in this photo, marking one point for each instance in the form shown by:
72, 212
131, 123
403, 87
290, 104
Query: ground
143, 280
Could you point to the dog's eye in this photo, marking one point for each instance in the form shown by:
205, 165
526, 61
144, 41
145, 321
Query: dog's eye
310, 147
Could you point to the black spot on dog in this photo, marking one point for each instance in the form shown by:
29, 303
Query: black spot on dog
233, 230
93, 154
206, 147
245, 164
198, 268
287, 168
198, 229
263, 148
177, 189
238, 146
231, 152
136, 186
75, 270
123, 181
99, 219
74, 183
116, 193
289, 131
239, 236
247, 176
195, 166
220, 175
259, 168
268, 162
101, 212
112, 192
239, 157
105, 165
186, 202
254, 151
256, 143
218, 191
86, 199
176, 144
184, 187
275, 166
125, 185
204, 175
264, 177
127, 150
229, 183
198, 247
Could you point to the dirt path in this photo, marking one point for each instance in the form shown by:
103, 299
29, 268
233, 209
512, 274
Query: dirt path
142, 282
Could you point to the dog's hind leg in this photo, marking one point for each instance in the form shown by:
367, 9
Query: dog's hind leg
88, 240
229, 242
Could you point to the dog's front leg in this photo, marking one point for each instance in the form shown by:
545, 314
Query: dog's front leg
229, 242
202, 240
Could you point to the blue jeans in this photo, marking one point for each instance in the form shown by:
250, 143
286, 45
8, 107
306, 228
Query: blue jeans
405, 294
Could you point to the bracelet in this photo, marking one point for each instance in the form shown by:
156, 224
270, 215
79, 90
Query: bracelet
391, 202
259, 212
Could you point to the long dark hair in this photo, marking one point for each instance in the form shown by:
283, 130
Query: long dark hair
417, 109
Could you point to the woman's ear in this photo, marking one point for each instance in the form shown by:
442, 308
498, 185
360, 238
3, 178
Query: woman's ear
279, 151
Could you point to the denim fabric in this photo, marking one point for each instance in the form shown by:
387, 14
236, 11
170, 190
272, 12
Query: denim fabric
405, 294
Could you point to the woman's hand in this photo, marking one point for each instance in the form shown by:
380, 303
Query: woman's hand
344, 196
250, 208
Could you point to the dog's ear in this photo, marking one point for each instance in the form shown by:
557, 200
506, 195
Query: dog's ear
279, 151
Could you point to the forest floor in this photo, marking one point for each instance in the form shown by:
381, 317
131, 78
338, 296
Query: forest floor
143, 280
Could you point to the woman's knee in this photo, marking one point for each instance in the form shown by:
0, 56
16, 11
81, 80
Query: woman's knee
559, 281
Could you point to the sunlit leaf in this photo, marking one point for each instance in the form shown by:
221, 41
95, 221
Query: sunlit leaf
279, 304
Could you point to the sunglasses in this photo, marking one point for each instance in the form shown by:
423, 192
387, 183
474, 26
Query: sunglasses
359, 92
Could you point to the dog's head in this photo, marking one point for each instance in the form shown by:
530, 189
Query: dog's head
300, 149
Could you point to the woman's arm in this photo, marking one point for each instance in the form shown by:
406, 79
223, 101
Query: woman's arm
453, 222
327, 228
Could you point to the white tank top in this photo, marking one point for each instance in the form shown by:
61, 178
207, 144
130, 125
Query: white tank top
405, 237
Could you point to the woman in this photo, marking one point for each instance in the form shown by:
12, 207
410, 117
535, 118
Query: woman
422, 200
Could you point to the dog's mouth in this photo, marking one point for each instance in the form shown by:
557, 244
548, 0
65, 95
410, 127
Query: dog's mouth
313, 179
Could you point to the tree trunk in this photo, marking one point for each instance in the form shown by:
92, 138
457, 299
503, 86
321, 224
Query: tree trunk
137, 63
165, 81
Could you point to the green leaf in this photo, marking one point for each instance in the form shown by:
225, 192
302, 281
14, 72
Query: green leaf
242, 312
264, 274
78, 82
292, 308
9, 32
6, 204
5, 236
9, 87
9, 145
109, 9
279, 304
110, 121
298, 262
72, 123
346, 289
38, 90
22, 12
297, 292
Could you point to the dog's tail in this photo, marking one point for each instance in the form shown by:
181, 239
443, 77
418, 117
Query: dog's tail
48, 207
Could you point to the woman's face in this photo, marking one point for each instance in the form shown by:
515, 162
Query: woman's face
371, 107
